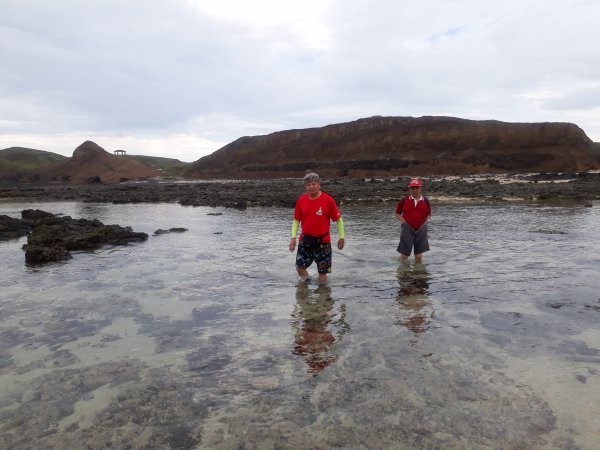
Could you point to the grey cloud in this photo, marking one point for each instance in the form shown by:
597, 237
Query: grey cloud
147, 68
585, 98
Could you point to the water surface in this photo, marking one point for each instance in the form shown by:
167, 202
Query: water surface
206, 339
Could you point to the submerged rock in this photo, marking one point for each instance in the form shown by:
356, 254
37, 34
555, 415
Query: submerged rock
41, 255
52, 237
12, 228
170, 230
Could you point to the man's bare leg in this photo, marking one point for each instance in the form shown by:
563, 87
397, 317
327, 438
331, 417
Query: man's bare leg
302, 273
418, 257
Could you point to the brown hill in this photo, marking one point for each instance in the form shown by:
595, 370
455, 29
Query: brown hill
92, 164
404, 146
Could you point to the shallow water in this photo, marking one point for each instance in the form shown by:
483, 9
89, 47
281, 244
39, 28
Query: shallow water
206, 339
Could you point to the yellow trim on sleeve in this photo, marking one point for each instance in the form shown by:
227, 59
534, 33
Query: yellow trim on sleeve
340, 225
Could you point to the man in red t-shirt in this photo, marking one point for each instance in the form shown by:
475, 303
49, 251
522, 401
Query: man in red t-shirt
413, 212
314, 210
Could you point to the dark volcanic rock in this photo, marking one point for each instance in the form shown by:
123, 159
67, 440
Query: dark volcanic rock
53, 238
35, 214
170, 230
284, 192
42, 255
11, 228
404, 146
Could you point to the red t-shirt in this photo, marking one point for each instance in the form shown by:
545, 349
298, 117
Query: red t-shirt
415, 216
315, 214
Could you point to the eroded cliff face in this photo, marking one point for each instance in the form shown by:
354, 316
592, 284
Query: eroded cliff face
404, 146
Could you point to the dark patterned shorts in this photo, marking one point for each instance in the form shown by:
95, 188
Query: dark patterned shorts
321, 255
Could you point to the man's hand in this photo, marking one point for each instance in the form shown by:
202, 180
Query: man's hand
292, 244
341, 244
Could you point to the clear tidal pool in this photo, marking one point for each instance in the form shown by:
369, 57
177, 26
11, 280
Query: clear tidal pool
207, 340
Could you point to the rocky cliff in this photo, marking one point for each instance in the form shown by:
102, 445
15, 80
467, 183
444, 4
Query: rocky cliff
404, 146
92, 164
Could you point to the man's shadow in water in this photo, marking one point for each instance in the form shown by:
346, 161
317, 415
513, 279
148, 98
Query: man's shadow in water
317, 326
413, 297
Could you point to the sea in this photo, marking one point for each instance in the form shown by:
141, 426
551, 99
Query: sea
207, 339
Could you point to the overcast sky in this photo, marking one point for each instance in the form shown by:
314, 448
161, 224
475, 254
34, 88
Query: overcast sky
182, 78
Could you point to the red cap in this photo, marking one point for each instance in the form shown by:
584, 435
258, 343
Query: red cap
415, 182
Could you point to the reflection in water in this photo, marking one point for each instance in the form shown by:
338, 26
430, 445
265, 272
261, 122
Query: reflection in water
413, 297
317, 326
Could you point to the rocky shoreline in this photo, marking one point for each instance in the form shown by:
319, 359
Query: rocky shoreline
584, 186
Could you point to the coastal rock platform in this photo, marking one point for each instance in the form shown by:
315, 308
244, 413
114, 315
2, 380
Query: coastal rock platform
283, 192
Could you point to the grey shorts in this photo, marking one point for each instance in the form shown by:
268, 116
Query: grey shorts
410, 238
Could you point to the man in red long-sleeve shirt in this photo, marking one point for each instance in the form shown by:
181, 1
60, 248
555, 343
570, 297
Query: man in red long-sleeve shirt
413, 212
314, 210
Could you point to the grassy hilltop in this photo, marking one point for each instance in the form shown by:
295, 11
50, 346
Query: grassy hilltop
168, 166
20, 159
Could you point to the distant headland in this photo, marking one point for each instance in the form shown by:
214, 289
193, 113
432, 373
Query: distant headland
374, 146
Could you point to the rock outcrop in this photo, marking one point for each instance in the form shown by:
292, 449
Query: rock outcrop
92, 164
13, 228
404, 146
53, 238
